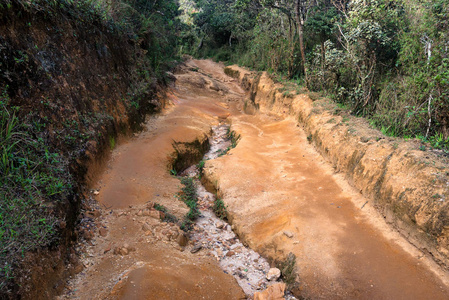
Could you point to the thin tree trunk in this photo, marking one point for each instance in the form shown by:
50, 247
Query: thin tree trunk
323, 55
301, 37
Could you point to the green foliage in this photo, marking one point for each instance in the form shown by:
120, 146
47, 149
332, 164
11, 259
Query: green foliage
384, 59
219, 208
168, 217
200, 167
288, 269
31, 177
189, 197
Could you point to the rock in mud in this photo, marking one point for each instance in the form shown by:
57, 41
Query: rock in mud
288, 234
146, 227
273, 274
196, 248
87, 235
103, 232
153, 213
273, 292
182, 240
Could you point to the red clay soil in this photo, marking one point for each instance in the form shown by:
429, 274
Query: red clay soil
282, 196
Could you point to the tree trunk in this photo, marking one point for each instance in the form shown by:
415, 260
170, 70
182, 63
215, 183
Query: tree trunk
301, 36
323, 55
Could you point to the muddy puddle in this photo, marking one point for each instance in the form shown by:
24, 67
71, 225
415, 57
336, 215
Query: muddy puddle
215, 235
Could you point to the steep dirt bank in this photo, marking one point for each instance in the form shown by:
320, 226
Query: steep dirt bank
73, 83
408, 186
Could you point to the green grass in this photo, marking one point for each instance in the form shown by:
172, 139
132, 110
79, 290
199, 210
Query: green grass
32, 178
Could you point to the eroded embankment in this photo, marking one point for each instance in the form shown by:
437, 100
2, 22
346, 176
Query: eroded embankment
407, 185
72, 85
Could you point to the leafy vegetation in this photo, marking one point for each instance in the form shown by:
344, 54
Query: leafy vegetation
47, 133
168, 217
385, 60
219, 208
189, 197
31, 178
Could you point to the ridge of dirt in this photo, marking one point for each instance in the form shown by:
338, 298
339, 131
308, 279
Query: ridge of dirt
275, 182
408, 186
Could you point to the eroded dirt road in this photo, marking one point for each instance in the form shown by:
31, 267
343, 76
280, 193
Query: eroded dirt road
281, 196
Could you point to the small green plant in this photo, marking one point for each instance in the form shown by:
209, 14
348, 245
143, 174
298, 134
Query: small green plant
200, 167
168, 217
288, 269
189, 197
112, 142
219, 208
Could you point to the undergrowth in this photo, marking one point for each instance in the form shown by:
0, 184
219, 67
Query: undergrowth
190, 198
288, 269
234, 138
168, 217
219, 208
31, 176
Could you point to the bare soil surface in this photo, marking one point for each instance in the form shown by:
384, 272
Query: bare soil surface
281, 197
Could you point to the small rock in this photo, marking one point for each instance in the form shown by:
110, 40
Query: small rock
88, 235
96, 193
219, 225
153, 213
78, 269
103, 232
273, 292
288, 234
139, 213
183, 240
273, 274
146, 227
196, 248
123, 251
230, 253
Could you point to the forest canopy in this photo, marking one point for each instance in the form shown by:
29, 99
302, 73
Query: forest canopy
383, 59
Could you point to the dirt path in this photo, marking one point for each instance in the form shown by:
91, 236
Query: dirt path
281, 195
284, 198
135, 255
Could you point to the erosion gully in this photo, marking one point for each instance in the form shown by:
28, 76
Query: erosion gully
281, 197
